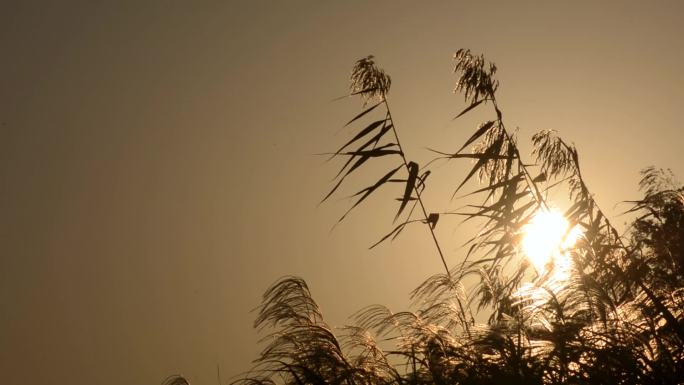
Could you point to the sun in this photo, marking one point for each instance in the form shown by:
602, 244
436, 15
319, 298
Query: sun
547, 239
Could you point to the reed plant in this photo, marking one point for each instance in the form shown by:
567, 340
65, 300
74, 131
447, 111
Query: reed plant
613, 314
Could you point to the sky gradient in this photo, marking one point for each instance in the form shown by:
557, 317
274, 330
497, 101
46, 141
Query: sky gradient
157, 167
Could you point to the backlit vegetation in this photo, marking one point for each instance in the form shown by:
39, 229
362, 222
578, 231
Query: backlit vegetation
594, 306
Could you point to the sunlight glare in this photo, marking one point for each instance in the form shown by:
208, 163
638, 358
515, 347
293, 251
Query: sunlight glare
547, 239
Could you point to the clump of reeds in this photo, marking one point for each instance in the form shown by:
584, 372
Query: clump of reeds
616, 317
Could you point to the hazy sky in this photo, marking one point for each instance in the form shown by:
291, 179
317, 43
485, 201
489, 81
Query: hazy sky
157, 169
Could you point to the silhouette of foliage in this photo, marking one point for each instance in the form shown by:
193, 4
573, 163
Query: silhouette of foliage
615, 315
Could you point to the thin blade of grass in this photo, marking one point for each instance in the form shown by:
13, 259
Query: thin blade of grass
394, 231
359, 116
470, 107
361, 134
364, 155
486, 126
369, 190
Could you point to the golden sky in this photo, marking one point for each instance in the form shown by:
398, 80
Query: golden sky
157, 169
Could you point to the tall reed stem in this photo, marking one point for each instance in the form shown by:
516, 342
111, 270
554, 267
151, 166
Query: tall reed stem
426, 215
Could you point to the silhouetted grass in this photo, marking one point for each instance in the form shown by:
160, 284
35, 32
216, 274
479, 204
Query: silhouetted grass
615, 317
